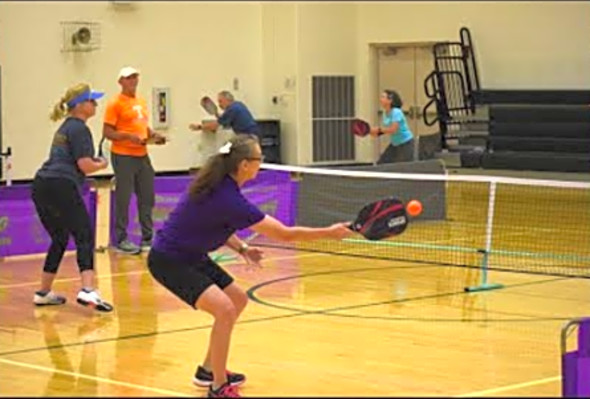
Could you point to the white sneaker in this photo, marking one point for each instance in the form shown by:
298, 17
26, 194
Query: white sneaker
146, 246
50, 298
92, 299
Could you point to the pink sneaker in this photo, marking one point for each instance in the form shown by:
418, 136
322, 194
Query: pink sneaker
224, 391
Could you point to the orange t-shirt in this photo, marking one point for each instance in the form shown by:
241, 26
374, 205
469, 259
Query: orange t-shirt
128, 115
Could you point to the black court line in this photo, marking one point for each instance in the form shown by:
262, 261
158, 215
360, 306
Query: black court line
330, 311
202, 327
300, 312
142, 335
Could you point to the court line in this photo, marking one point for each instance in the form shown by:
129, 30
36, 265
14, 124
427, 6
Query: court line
330, 311
457, 248
451, 241
509, 387
96, 378
500, 226
65, 280
25, 257
429, 262
295, 312
186, 329
428, 245
130, 273
172, 393
145, 335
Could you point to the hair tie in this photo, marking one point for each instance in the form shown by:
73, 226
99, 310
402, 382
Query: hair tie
225, 149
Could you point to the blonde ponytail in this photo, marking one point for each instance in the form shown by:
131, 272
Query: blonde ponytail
60, 109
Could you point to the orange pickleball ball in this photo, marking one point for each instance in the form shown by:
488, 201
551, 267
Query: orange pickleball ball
414, 208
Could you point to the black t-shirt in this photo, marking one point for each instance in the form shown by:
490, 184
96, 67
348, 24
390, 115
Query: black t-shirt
71, 141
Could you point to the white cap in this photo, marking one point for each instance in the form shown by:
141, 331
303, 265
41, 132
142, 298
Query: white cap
127, 71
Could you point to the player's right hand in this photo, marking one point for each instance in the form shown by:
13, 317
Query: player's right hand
102, 162
195, 126
339, 231
136, 139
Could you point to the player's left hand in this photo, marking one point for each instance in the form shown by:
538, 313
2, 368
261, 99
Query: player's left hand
159, 139
253, 256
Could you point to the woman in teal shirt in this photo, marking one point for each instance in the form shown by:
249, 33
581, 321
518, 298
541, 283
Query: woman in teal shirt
401, 146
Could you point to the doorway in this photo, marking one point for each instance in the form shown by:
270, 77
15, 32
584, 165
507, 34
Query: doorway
403, 67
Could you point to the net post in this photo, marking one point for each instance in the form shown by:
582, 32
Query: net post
485, 285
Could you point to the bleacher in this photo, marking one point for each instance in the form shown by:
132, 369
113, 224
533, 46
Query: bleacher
527, 130
539, 130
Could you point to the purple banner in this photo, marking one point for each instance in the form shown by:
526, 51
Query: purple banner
21, 231
273, 192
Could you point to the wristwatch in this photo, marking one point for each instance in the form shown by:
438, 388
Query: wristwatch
379, 132
243, 248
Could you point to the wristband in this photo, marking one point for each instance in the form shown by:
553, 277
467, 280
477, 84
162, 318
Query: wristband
243, 248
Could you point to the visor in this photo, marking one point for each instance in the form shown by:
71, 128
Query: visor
86, 96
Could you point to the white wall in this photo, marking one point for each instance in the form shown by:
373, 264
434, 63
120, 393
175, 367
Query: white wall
540, 45
326, 36
193, 48
280, 67
274, 48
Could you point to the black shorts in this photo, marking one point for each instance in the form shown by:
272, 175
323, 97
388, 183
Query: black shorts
187, 280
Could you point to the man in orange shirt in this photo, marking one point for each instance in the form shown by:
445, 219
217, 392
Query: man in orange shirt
126, 125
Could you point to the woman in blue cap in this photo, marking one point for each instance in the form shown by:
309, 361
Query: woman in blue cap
56, 192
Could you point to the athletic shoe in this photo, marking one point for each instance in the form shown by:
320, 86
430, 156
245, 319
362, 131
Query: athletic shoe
92, 299
224, 391
204, 378
48, 298
146, 245
128, 247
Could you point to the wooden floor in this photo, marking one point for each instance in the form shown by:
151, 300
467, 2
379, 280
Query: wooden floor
317, 324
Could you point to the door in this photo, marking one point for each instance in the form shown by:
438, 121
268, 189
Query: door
404, 68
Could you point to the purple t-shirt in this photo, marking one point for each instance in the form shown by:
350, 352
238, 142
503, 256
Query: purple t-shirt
198, 226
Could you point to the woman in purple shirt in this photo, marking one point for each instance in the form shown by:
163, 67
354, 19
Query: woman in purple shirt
206, 217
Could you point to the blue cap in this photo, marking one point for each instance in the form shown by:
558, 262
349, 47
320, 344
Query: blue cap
86, 96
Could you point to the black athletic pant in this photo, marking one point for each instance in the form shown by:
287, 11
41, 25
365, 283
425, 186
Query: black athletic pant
62, 211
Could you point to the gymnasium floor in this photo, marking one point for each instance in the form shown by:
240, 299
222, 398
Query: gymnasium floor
317, 324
